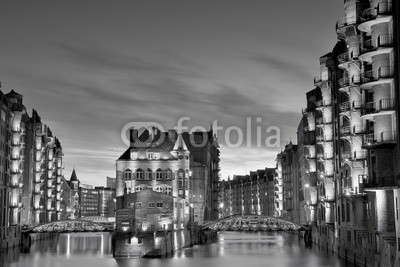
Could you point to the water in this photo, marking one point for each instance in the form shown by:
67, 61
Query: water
233, 249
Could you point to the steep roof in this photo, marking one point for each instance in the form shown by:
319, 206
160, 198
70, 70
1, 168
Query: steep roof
73, 178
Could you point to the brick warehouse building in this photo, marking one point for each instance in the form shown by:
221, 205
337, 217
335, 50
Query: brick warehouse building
182, 165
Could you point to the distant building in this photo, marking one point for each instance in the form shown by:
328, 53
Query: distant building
248, 194
111, 182
89, 201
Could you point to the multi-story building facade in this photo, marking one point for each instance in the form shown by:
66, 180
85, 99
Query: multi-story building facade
348, 138
31, 170
248, 194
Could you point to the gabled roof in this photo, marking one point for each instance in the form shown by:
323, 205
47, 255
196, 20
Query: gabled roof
13, 94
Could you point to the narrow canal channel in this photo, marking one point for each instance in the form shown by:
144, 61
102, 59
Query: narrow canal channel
232, 249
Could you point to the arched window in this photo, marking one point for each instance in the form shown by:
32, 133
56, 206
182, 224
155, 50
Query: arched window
139, 188
128, 174
139, 174
159, 175
168, 190
159, 189
168, 175
149, 174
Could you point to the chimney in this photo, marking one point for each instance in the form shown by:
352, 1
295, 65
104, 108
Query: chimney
133, 135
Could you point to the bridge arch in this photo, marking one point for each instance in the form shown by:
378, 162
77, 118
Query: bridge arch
68, 226
253, 223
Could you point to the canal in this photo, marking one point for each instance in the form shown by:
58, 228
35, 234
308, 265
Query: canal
232, 249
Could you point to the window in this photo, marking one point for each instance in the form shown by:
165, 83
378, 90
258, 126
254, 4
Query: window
159, 204
168, 175
139, 174
159, 175
159, 189
152, 204
181, 175
139, 188
168, 190
128, 174
134, 155
150, 155
149, 174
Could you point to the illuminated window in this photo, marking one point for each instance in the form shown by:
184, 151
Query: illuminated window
128, 174
149, 174
159, 189
168, 190
168, 175
159, 174
139, 174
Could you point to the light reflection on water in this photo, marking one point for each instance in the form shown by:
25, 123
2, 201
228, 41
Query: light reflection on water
233, 249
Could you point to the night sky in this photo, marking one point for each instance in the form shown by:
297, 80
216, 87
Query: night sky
90, 67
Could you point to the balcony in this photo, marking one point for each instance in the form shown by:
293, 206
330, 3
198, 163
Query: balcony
323, 104
324, 156
349, 106
347, 57
345, 22
370, 78
356, 155
383, 138
383, 8
369, 183
378, 14
349, 81
383, 41
382, 107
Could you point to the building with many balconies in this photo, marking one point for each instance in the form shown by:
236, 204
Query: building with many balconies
30, 168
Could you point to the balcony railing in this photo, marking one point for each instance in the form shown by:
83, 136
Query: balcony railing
368, 182
349, 106
345, 22
386, 137
356, 155
383, 40
378, 106
324, 156
348, 56
349, 81
346, 130
323, 103
383, 8
322, 138
375, 75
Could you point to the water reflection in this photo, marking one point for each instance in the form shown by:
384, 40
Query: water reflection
233, 249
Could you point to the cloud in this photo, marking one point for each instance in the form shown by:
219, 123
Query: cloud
279, 65
96, 57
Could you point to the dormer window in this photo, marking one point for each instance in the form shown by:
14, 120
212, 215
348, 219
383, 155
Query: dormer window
134, 155
152, 155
